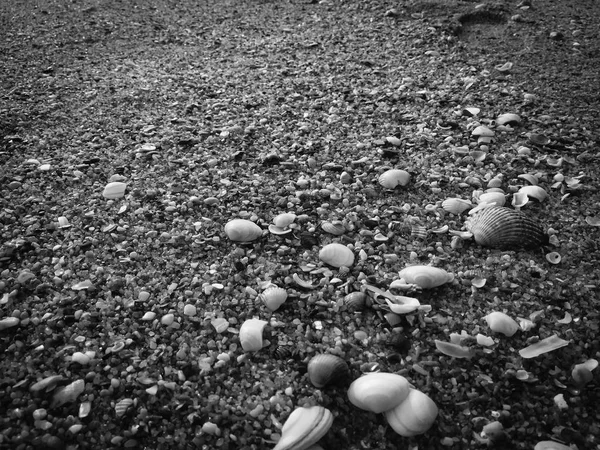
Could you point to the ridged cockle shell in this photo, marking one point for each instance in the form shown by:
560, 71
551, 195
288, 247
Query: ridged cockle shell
355, 301
501, 323
379, 391
304, 427
501, 227
273, 297
456, 205
324, 369
336, 227
251, 335
508, 118
337, 255
425, 277
415, 415
394, 177
242, 230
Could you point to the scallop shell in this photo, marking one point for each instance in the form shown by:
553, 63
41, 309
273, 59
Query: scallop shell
304, 427
500, 227
537, 192
425, 277
284, 220
251, 335
394, 177
355, 301
456, 205
336, 227
501, 323
379, 391
273, 297
337, 255
242, 230
415, 415
324, 369
113, 190
496, 198
122, 406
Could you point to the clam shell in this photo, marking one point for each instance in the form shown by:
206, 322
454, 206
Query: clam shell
482, 130
519, 200
415, 415
379, 391
426, 277
242, 230
284, 220
495, 182
324, 369
508, 118
394, 177
273, 297
456, 205
337, 255
537, 192
304, 427
251, 335
551, 445
501, 323
500, 227
454, 350
496, 198
355, 301
122, 406
274, 229
113, 190
336, 227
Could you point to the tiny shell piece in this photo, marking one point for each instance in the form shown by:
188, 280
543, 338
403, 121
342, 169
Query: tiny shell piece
379, 391
402, 305
502, 323
544, 346
242, 230
122, 406
426, 277
537, 192
553, 257
68, 393
394, 177
273, 297
456, 205
519, 200
304, 427
454, 350
418, 231
251, 334
337, 255
324, 369
113, 190
582, 373
415, 415
274, 229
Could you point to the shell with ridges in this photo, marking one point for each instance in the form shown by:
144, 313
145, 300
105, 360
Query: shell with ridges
394, 177
273, 297
425, 277
242, 230
501, 227
324, 369
415, 415
251, 337
335, 227
379, 391
456, 205
122, 406
337, 255
355, 301
304, 427
501, 323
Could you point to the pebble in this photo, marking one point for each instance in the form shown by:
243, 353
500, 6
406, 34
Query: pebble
189, 310
8, 322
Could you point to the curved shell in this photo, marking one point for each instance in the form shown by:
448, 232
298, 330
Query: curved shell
497, 198
378, 391
336, 227
500, 227
274, 229
456, 205
284, 220
501, 323
394, 177
551, 445
116, 189
537, 192
122, 406
273, 297
337, 255
304, 427
324, 369
355, 301
242, 230
426, 277
415, 415
251, 335
508, 118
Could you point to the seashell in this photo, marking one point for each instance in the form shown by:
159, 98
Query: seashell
379, 391
113, 190
478, 155
324, 369
495, 198
470, 111
582, 373
493, 430
345, 178
415, 415
418, 231
519, 200
336, 227
531, 179
456, 205
284, 220
501, 227
273, 297
484, 340
304, 427
508, 119
274, 229
553, 258
251, 335
426, 277
84, 409
355, 301
68, 393
537, 192
122, 406
544, 346
242, 230
551, 445
501, 323
394, 177
538, 139
454, 350
495, 182
337, 255
47, 383
482, 130
400, 304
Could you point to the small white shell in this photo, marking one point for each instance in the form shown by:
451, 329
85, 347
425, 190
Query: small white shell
508, 118
501, 323
425, 277
251, 334
335, 227
456, 205
274, 229
537, 192
496, 198
337, 255
544, 346
114, 190
519, 200
379, 391
394, 177
415, 415
273, 297
482, 130
242, 230
304, 427
551, 445
284, 220
68, 393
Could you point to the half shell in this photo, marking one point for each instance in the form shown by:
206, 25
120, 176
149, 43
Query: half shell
304, 427
394, 177
501, 323
355, 301
113, 190
496, 198
425, 277
500, 227
242, 230
415, 415
273, 297
324, 369
336, 227
337, 255
379, 391
251, 335
537, 192
456, 205
284, 220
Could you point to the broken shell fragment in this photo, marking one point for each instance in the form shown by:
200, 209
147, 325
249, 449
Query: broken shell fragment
379, 391
482, 130
394, 177
122, 406
251, 335
538, 139
324, 369
456, 205
502, 323
493, 198
582, 373
273, 297
553, 257
537, 192
114, 190
337, 255
274, 229
426, 277
242, 230
544, 346
519, 200
304, 427
415, 415
402, 305
454, 350
68, 393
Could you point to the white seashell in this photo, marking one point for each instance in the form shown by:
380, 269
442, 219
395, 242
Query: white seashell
519, 200
484, 340
304, 427
425, 277
531, 179
335, 227
402, 305
122, 406
394, 177
274, 229
84, 409
337, 255
453, 350
68, 393
553, 258
537, 192
501, 323
456, 205
80, 358
582, 373
324, 369
251, 334
149, 316
418, 231
273, 297
508, 118
470, 111
284, 220
379, 391
551, 445
482, 130
496, 198
345, 178
242, 230
495, 182
415, 415
544, 346
355, 301
115, 189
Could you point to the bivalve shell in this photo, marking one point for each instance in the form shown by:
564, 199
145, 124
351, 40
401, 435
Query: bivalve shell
508, 119
304, 427
482, 130
251, 334
501, 323
379, 391
415, 415
425, 277
551, 445
394, 177
324, 369
335, 227
456, 205
242, 230
273, 297
122, 406
501, 227
337, 255
284, 220
355, 301
114, 190
537, 192
496, 198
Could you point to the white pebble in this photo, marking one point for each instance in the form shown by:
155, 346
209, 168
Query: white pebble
189, 310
